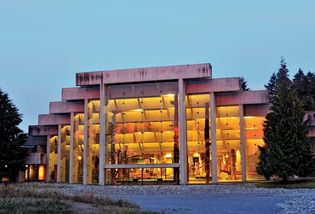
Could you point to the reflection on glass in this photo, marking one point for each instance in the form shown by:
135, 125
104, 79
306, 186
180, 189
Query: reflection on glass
254, 137
228, 143
198, 138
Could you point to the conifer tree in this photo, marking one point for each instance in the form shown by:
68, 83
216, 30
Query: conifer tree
287, 148
243, 84
11, 138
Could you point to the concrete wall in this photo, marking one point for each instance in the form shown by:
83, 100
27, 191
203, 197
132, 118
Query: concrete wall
144, 74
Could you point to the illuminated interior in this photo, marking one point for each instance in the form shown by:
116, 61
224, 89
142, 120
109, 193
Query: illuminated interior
198, 138
228, 143
65, 153
78, 148
254, 138
93, 141
53, 143
34, 172
142, 130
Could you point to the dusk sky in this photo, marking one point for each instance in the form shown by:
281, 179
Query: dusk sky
44, 43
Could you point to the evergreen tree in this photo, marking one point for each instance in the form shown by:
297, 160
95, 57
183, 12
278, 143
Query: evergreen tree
304, 85
11, 138
287, 148
271, 86
243, 84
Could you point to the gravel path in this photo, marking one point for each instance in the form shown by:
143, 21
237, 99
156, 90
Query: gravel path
224, 198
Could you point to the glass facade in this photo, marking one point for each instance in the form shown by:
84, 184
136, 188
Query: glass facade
198, 138
53, 155
78, 148
142, 130
254, 137
228, 143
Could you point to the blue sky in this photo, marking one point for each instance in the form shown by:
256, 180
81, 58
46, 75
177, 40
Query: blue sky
44, 43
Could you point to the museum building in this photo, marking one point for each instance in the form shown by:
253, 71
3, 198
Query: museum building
157, 125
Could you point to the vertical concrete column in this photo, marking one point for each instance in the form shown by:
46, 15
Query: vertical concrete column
86, 138
243, 142
47, 158
213, 138
59, 154
71, 148
102, 135
182, 134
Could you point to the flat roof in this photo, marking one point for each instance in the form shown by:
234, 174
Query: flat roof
160, 73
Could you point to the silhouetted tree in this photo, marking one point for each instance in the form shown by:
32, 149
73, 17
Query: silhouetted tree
243, 84
287, 148
11, 138
305, 87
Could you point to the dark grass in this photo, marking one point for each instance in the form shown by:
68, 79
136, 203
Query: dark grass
32, 199
308, 183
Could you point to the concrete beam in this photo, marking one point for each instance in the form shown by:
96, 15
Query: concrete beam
243, 97
35, 130
183, 176
213, 138
80, 93
213, 85
65, 107
243, 143
144, 74
102, 135
256, 110
53, 119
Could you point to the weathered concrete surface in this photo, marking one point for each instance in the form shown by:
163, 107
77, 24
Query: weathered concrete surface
213, 85
65, 107
144, 74
80, 93
36, 130
53, 119
243, 97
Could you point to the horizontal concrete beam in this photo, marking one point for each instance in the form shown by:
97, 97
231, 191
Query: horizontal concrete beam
213, 85
42, 130
242, 97
137, 166
144, 74
36, 140
80, 93
256, 110
66, 107
53, 119
35, 158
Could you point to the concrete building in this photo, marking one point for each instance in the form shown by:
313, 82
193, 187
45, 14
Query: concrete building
172, 124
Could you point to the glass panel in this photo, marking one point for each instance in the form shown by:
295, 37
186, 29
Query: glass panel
64, 157
53, 143
93, 141
198, 138
141, 130
78, 148
254, 137
41, 172
141, 176
228, 143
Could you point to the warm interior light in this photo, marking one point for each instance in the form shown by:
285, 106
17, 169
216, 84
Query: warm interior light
41, 172
79, 158
196, 155
170, 95
138, 110
169, 155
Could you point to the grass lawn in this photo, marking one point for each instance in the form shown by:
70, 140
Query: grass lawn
19, 198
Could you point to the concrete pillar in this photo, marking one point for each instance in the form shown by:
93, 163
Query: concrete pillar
86, 138
182, 134
71, 148
59, 155
47, 158
243, 142
102, 135
213, 138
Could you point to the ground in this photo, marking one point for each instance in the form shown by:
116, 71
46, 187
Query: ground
227, 198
